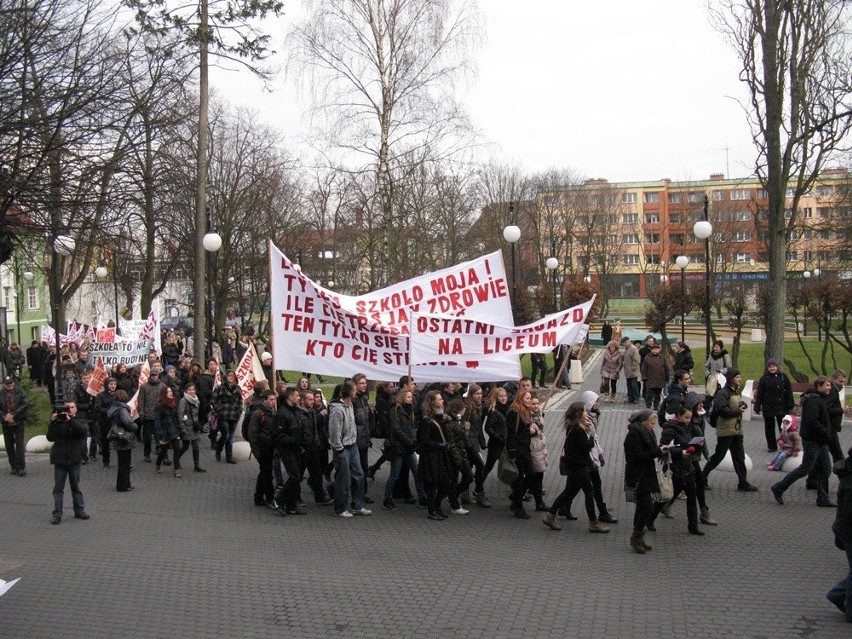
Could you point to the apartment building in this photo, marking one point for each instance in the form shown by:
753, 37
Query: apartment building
626, 235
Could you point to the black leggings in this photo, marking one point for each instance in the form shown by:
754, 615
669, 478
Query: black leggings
644, 511
578, 479
597, 489
163, 452
495, 449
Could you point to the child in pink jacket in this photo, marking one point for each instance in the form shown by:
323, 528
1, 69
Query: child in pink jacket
789, 443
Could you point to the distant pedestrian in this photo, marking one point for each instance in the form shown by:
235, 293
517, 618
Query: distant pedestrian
774, 398
606, 332
14, 409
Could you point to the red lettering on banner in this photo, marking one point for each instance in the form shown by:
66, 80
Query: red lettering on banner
297, 323
454, 281
519, 342
449, 346
395, 358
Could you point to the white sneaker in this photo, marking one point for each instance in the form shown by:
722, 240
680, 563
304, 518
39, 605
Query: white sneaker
460, 511
345, 513
363, 512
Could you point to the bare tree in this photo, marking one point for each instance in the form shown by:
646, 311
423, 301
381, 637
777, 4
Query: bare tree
381, 73
796, 63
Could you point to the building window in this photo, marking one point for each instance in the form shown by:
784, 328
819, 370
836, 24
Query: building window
807, 256
792, 256
612, 239
823, 213
652, 218
788, 213
808, 234
762, 194
652, 259
763, 257
718, 196
698, 258
675, 198
613, 260
631, 238
742, 258
740, 194
630, 218
741, 216
696, 196
628, 198
612, 219
720, 258
763, 236
742, 236
651, 197
824, 191
676, 218
807, 213
791, 192
32, 298
652, 238
676, 238
631, 260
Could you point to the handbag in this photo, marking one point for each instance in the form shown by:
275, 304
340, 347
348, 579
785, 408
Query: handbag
630, 494
507, 470
563, 465
212, 423
604, 386
120, 433
664, 479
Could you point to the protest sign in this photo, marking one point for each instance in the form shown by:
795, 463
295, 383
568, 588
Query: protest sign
96, 382
249, 372
106, 335
320, 330
481, 347
130, 353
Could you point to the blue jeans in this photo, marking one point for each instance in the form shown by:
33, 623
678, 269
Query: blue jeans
841, 594
347, 470
226, 437
632, 389
73, 475
815, 456
396, 467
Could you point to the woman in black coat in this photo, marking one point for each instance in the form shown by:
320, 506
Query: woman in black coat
519, 429
435, 468
494, 425
579, 442
640, 452
677, 433
774, 398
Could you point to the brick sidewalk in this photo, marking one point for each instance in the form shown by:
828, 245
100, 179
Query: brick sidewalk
194, 557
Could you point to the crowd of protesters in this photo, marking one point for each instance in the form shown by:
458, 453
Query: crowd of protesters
447, 438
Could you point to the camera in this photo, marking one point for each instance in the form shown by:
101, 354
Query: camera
61, 411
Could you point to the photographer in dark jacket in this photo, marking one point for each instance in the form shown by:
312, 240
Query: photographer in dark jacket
67, 434
815, 430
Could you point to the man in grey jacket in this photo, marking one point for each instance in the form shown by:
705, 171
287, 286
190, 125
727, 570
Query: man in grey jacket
343, 437
630, 366
148, 403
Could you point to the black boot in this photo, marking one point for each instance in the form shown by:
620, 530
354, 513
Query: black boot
196, 455
606, 517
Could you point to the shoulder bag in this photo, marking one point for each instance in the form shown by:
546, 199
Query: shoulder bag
664, 480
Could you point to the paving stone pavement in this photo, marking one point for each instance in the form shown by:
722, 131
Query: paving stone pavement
194, 557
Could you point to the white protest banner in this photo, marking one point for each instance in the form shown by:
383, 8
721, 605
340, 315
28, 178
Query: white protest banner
133, 404
131, 328
130, 353
319, 330
96, 383
80, 331
151, 327
249, 372
480, 347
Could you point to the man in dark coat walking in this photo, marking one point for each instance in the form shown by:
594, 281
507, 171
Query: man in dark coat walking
67, 434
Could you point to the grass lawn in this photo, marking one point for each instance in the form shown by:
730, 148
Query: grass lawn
751, 362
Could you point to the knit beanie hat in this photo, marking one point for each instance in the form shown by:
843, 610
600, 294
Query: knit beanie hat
771, 362
640, 416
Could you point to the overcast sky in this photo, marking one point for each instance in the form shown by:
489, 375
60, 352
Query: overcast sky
623, 90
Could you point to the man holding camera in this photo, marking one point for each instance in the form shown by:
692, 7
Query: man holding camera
13, 412
67, 434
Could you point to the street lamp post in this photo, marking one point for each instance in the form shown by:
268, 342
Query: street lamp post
28, 277
552, 264
211, 242
62, 245
512, 233
682, 261
703, 229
